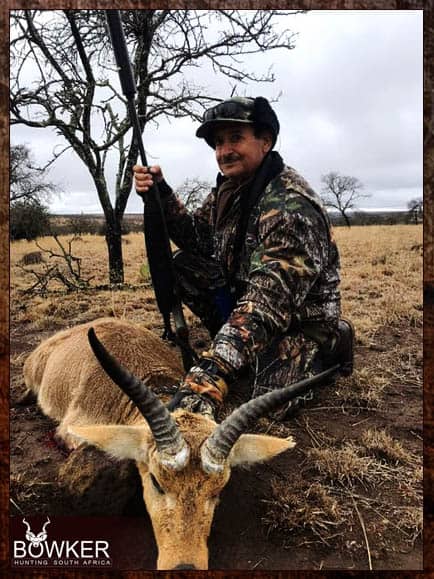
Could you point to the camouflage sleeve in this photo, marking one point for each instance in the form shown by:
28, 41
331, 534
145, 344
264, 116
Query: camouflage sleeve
293, 246
191, 232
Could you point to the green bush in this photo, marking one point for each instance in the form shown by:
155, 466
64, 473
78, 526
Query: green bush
29, 219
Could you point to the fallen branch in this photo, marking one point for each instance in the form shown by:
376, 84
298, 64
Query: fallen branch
71, 278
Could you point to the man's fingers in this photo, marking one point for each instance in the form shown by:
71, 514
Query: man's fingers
140, 169
143, 181
144, 177
154, 169
143, 185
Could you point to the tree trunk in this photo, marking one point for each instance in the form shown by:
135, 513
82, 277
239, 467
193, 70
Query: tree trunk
347, 221
113, 239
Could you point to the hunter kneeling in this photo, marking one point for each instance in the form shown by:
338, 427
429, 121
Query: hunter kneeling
257, 263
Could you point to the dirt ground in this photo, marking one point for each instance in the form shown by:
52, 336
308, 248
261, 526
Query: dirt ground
349, 496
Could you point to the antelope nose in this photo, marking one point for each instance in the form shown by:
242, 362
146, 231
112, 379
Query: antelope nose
184, 566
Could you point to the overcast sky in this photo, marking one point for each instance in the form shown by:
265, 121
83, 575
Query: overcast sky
350, 101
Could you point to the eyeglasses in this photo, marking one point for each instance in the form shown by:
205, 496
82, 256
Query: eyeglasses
241, 109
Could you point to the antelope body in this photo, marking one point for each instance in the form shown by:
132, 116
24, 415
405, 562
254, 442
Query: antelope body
184, 459
71, 386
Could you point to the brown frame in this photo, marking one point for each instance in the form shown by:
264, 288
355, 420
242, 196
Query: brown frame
428, 256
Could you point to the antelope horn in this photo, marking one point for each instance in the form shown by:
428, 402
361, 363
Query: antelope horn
172, 448
217, 447
27, 525
46, 524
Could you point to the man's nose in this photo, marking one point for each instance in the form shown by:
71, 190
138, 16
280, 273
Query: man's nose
224, 149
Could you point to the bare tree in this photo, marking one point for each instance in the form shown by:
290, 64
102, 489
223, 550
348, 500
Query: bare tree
75, 91
27, 181
192, 192
415, 210
342, 193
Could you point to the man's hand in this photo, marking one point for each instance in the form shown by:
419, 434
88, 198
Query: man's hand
144, 177
206, 379
202, 390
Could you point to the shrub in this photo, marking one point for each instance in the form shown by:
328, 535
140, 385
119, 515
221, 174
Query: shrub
29, 219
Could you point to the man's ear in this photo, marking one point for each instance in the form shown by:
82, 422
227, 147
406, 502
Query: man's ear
116, 440
253, 448
268, 142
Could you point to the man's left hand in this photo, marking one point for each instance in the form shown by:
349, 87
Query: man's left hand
203, 388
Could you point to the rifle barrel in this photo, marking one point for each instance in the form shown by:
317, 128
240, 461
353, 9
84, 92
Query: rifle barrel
156, 234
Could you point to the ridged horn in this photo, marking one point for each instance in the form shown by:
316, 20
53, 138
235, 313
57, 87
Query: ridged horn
172, 448
217, 447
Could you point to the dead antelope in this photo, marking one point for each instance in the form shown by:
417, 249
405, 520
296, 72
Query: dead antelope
184, 459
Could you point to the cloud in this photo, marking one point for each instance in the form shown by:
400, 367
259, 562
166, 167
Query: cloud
350, 101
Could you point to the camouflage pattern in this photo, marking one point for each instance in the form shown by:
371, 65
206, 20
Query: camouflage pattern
284, 362
286, 285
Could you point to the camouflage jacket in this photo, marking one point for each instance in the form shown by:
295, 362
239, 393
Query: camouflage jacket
288, 268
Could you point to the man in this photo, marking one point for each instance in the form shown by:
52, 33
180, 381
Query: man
257, 263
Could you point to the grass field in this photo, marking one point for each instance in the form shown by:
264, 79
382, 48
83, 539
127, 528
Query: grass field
381, 276
351, 495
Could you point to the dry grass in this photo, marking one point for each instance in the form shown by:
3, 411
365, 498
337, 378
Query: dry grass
363, 389
381, 273
341, 498
341, 465
386, 448
93, 252
381, 277
58, 308
303, 506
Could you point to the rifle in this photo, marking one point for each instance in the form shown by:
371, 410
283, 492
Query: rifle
155, 228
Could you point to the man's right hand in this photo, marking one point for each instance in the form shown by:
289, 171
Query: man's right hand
144, 177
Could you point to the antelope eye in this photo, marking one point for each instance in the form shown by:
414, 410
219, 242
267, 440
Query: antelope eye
156, 485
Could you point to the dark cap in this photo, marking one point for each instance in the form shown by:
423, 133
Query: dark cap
244, 110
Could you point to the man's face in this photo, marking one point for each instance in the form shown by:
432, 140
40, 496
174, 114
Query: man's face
238, 152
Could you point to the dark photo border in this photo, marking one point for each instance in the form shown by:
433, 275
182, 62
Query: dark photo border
428, 7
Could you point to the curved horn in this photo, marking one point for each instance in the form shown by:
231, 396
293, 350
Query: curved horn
171, 445
45, 525
217, 447
27, 525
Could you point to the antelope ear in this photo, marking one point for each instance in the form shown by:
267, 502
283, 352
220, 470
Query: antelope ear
119, 441
252, 448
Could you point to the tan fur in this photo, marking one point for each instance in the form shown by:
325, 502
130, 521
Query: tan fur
254, 448
73, 389
71, 386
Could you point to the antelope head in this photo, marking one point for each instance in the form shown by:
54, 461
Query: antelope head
184, 460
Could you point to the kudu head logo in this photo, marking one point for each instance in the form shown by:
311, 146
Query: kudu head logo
36, 540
